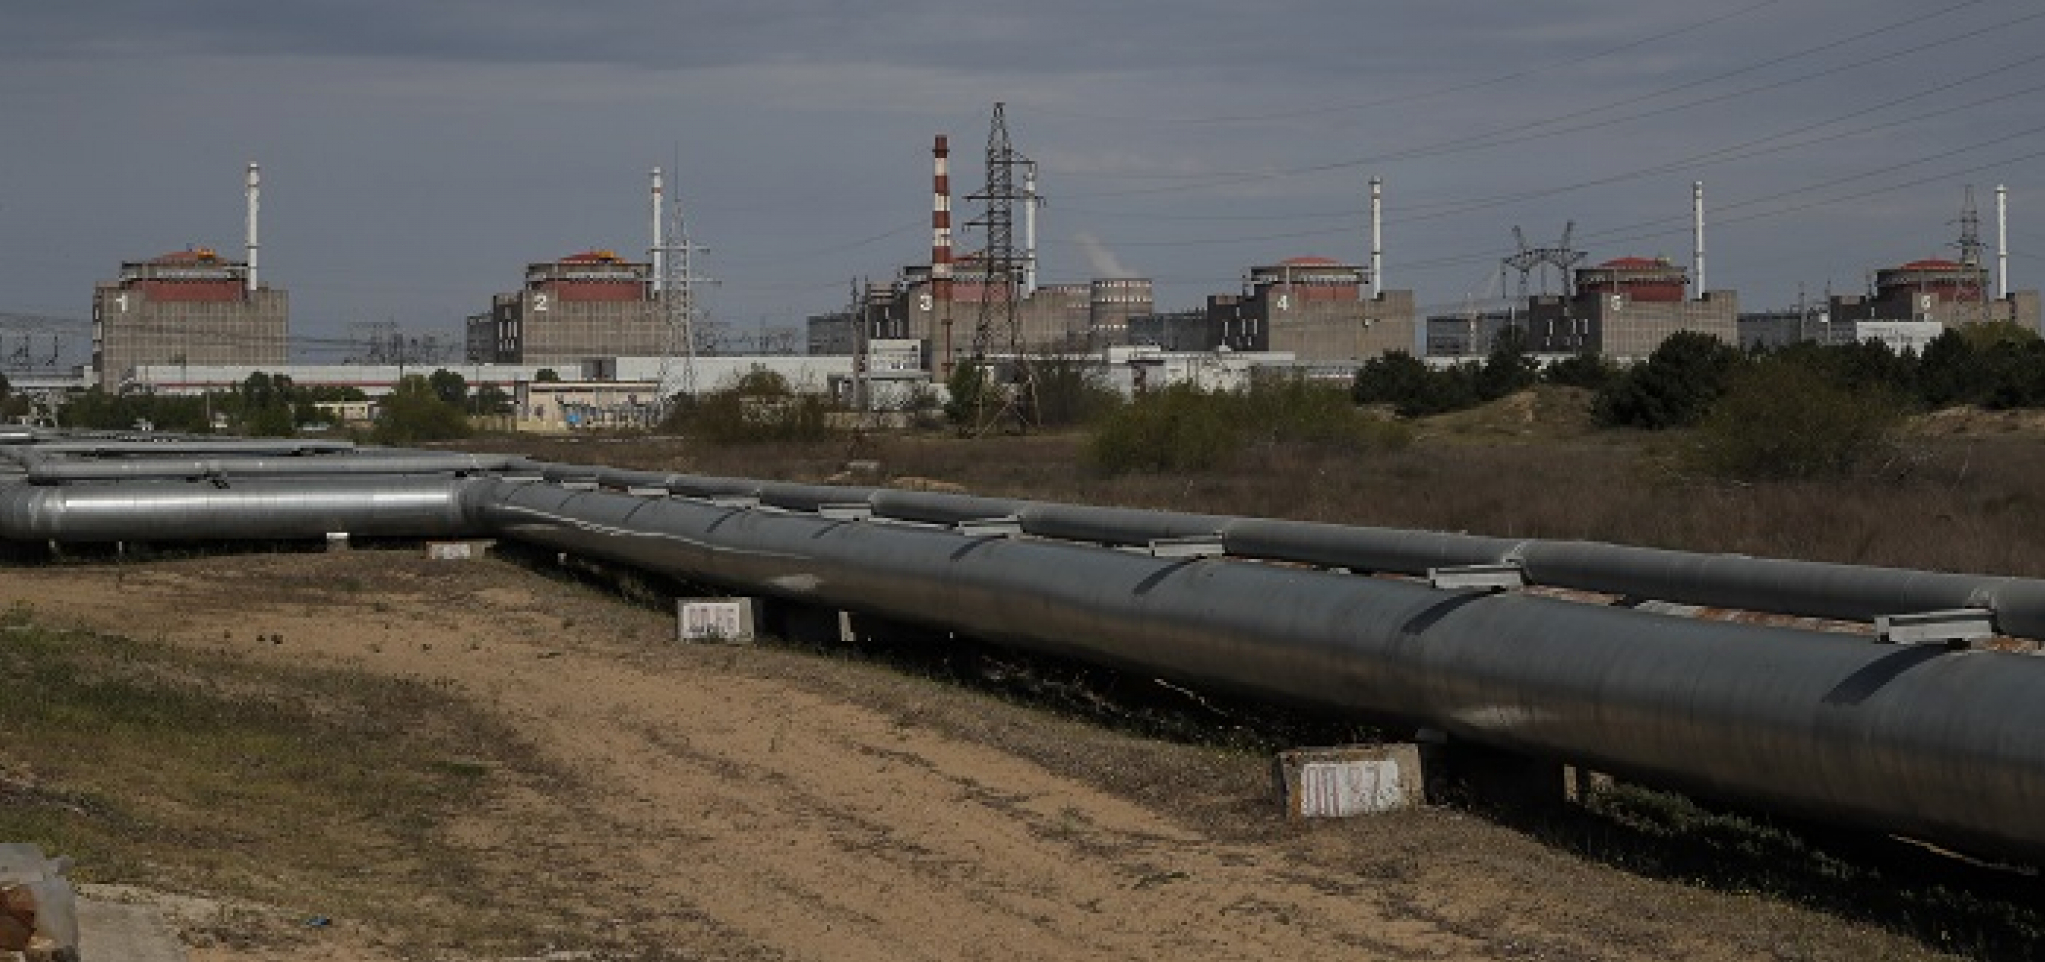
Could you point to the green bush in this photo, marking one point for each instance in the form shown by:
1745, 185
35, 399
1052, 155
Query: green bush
1183, 428
415, 411
1783, 419
759, 406
1068, 391
1674, 387
972, 396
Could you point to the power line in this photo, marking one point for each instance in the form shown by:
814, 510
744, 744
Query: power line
1533, 130
1438, 92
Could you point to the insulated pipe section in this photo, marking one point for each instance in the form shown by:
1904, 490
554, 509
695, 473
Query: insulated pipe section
189, 446
66, 472
1921, 741
1390, 550
1811, 588
1814, 589
169, 511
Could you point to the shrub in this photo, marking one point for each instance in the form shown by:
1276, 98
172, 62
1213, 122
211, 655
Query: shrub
1673, 387
1783, 419
757, 406
414, 411
1586, 370
1413, 389
1183, 428
1068, 391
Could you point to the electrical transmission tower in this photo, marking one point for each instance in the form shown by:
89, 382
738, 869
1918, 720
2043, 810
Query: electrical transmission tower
1001, 289
1527, 260
1970, 231
680, 305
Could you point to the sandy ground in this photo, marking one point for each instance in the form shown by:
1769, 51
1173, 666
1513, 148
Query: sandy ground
754, 803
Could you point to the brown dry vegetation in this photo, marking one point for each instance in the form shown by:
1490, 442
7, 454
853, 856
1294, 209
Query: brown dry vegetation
1961, 494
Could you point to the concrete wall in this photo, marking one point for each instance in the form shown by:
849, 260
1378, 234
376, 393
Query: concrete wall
1618, 327
131, 330
549, 330
1272, 319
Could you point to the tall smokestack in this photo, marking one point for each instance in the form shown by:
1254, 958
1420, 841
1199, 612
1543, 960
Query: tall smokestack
1377, 237
940, 239
254, 210
1029, 229
1697, 234
2001, 241
659, 249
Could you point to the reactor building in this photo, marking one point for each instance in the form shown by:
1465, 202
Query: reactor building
1626, 307
591, 304
189, 307
1316, 308
1953, 293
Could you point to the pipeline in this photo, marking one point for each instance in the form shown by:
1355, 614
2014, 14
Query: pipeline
1919, 741
148, 511
1781, 586
131, 469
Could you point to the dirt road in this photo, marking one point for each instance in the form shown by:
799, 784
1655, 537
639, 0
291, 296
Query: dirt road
758, 803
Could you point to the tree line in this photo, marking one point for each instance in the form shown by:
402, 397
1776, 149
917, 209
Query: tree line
420, 407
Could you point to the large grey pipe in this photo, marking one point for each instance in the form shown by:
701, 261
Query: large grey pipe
1808, 588
125, 469
170, 511
1915, 740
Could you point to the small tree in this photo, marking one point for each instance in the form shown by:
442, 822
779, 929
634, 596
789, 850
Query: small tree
1782, 419
1069, 391
414, 411
1586, 370
974, 395
1509, 367
452, 388
1673, 387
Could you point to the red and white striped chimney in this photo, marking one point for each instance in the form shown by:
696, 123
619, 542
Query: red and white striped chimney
940, 227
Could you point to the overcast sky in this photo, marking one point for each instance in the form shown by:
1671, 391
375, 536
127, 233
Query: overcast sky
417, 154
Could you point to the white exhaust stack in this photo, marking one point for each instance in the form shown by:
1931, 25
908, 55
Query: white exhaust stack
1029, 229
659, 249
254, 209
1377, 237
2001, 241
1697, 234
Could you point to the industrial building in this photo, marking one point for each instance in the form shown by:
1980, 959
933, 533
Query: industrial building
1624, 308
1951, 293
185, 307
590, 304
1316, 309
189, 307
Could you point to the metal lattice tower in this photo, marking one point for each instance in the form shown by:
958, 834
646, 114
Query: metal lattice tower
996, 323
679, 303
998, 258
1527, 260
1970, 231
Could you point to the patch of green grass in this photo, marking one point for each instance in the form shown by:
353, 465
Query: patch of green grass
323, 791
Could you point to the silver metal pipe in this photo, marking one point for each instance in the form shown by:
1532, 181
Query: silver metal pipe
181, 446
1914, 740
170, 511
123, 469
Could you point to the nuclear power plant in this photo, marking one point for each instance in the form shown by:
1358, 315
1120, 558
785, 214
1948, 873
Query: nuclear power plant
194, 320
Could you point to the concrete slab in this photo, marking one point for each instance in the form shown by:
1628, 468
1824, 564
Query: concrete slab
114, 932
